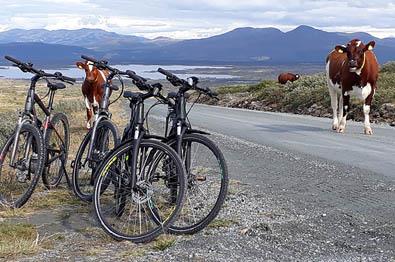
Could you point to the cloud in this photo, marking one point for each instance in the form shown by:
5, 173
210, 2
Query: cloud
198, 18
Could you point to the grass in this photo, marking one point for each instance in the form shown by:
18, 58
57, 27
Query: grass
302, 96
43, 200
222, 223
18, 239
163, 242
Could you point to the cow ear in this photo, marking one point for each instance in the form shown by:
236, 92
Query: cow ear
341, 49
80, 65
370, 46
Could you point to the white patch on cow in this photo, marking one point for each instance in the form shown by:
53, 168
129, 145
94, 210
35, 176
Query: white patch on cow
334, 93
367, 128
95, 103
90, 66
87, 103
103, 75
346, 107
361, 92
359, 43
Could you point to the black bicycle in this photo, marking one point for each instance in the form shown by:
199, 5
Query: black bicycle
140, 187
207, 172
35, 147
100, 139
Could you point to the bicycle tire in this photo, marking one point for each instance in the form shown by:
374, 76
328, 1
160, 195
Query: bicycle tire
39, 149
103, 172
202, 223
76, 179
49, 181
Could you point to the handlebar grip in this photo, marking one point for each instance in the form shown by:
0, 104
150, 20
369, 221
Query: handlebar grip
70, 79
166, 73
16, 61
90, 59
135, 77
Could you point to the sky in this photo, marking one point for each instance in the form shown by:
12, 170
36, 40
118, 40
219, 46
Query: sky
184, 19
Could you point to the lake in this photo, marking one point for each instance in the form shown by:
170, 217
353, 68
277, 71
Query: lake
146, 71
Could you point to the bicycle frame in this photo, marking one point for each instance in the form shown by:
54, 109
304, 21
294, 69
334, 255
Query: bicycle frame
136, 132
103, 113
29, 115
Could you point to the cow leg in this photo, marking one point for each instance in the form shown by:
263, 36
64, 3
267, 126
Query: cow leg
345, 109
88, 113
366, 111
334, 104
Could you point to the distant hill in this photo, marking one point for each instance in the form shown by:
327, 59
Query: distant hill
247, 45
43, 54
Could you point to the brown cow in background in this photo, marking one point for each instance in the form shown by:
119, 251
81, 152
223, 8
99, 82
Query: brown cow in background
351, 70
92, 88
287, 77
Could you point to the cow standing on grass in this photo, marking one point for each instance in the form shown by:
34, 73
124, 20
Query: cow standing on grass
92, 88
351, 70
287, 77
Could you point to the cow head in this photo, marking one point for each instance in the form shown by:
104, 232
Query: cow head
355, 51
90, 71
297, 76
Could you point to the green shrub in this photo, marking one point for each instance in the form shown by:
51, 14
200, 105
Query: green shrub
389, 67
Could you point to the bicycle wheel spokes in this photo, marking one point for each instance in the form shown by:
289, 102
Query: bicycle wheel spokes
86, 166
17, 179
57, 145
206, 186
139, 213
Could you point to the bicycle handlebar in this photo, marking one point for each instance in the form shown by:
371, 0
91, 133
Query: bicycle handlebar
135, 77
28, 67
175, 80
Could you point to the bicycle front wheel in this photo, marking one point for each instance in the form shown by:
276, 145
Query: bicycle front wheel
139, 213
207, 182
19, 177
85, 166
57, 144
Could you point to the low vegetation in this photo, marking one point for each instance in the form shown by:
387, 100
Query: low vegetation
18, 239
309, 95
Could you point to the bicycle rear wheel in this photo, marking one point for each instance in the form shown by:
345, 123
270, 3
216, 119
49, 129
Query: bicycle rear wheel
57, 144
207, 182
142, 213
19, 179
85, 167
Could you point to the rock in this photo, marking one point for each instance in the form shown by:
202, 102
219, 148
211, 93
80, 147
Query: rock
387, 110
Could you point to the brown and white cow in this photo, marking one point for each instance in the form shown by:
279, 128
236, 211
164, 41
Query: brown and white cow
287, 77
351, 70
92, 88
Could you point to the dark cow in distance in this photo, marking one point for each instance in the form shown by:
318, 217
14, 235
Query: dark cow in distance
92, 88
287, 77
351, 70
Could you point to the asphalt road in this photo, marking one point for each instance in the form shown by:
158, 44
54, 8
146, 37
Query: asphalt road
325, 196
305, 134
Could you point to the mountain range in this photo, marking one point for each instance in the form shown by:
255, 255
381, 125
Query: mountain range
266, 46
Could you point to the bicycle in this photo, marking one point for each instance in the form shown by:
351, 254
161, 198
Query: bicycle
207, 171
99, 140
35, 148
132, 200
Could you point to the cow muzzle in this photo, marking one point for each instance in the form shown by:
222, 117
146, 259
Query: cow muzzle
353, 64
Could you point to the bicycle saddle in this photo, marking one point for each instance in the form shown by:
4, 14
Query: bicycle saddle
56, 86
130, 94
172, 94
